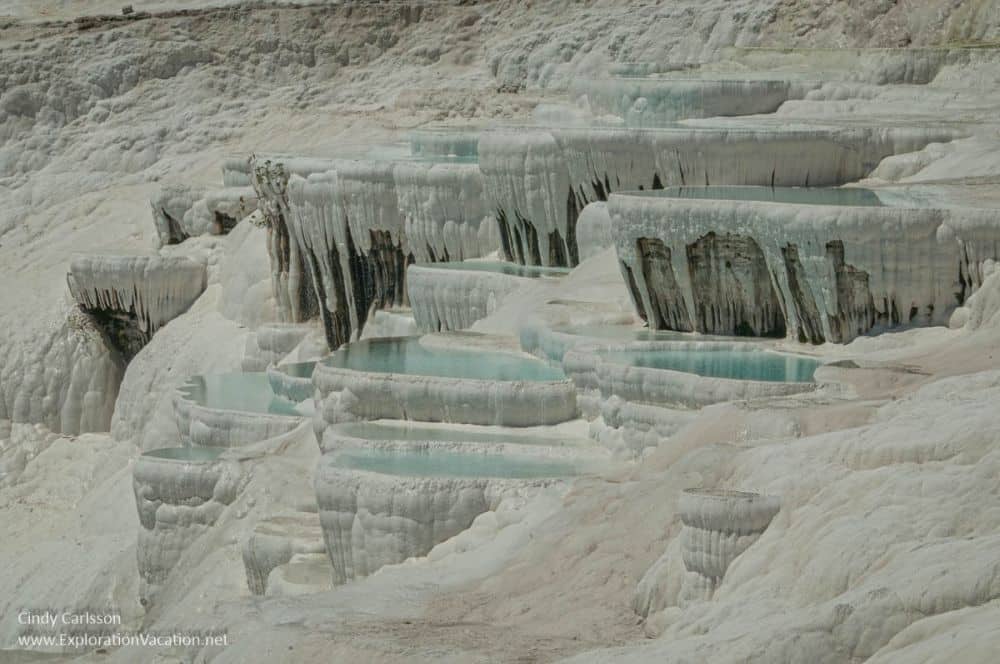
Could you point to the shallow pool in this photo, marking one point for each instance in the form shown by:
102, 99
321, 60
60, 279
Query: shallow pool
193, 454
739, 365
405, 355
248, 392
452, 464
850, 196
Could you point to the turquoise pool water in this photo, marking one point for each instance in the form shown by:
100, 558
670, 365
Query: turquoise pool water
405, 355
402, 432
194, 454
503, 267
793, 195
739, 365
248, 392
452, 464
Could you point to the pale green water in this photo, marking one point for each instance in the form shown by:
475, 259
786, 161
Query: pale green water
792, 195
193, 454
405, 355
739, 365
402, 432
247, 392
297, 369
503, 267
452, 464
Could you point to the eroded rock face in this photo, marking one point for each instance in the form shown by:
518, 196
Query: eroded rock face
179, 494
731, 287
816, 272
130, 297
719, 525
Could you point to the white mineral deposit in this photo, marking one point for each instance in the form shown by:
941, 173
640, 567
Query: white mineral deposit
500, 332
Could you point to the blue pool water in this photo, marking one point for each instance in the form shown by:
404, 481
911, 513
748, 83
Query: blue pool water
740, 365
850, 196
503, 267
193, 454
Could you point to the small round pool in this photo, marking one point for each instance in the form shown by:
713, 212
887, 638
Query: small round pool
405, 355
756, 365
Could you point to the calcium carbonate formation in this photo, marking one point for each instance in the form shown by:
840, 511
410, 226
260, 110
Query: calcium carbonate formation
812, 271
275, 541
290, 284
130, 297
719, 525
540, 179
387, 493
68, 381
181, 212
453, 299
348, 228
652, 102
446, 215
179, 494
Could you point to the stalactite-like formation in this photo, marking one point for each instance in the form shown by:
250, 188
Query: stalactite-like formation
348, 226
748, 262
539, 179
130, 297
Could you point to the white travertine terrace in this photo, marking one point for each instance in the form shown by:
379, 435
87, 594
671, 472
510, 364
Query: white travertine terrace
598, 379
446, 215
719, 525
71, 382
210, 425
275, 541
651, 102
809, 271
179, 494
593, 230
540, 179
290, 284
448, 299
181, 212
133, 296
345, 395
347, 227
371, 519
272, 342
445, 141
